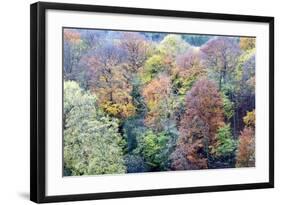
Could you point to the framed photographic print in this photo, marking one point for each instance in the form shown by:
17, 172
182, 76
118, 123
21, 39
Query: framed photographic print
129, 102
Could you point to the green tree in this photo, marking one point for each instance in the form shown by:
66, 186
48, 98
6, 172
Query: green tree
225, 143
152, 147
173, 45
157, 63
228, 107
92, 144
224, 149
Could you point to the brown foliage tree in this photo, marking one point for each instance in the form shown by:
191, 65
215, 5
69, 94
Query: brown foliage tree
72, 36
191, 147
246, 147
221, 55
199, 124
136, 48
190, 59
247, 43
73, 50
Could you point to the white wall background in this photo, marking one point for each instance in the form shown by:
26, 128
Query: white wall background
14, 100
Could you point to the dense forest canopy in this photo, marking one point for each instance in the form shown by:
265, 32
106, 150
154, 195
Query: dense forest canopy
148, 101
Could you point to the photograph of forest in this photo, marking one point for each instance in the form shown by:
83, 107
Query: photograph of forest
151, 101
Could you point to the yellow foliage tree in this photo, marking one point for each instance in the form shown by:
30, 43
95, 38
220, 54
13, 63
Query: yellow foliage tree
247, 43
250, 119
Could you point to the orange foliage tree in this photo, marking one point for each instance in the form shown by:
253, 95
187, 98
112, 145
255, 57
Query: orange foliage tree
159, 101
109, 81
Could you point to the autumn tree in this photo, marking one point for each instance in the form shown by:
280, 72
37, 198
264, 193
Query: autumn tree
246, 147
244, 93
93, 38
221, 55
198, 127
188, 70
73, 50
142, 101
79, 45
157, 143
162, 60
92, 144
160, 103
136, 48
247, 43
154, 66
192, 148
109, 80
250, 119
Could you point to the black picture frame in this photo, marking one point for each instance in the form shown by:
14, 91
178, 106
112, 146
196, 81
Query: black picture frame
38, 101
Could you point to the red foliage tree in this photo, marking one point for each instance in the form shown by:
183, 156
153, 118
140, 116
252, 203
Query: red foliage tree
199, 124
246, 147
